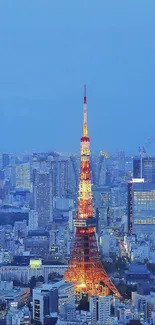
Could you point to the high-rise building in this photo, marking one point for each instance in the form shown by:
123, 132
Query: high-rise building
23, 176
72, 178
145, 168
137, 167
121, 161
102, 198
98, 169
85, 269
62, 177
75, 162
33, 220
129, 206
143, 207
100, 309
37, 243
102, 169
42, 196
50, 298
6, 159
45, 302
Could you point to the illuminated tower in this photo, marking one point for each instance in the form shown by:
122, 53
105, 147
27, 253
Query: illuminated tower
85, 269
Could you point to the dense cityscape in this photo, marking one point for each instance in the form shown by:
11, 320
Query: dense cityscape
77, 237
77, 162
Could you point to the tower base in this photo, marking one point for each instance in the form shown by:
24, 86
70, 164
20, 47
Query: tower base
85, 269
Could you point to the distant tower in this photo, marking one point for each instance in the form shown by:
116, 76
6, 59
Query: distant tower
85, 269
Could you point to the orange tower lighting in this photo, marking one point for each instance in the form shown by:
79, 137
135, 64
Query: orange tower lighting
85, 268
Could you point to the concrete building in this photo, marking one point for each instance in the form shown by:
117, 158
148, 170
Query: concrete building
144, 168
50, 298
145, 303
33, 220
37, 243
45, 302
18, 317
42, 196
60, 176
5, 160
140, 252
143, 207
24, 273
100, 309
23, 176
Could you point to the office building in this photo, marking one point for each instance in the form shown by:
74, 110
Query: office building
143, 207
145, 168
45, 302
5, 159
50, 298
62, 177
33, 220
37, 242
121, 161
42, 196
17, 316
100, 309
129, 207
23, 177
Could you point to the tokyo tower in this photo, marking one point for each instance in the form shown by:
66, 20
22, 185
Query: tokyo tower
85, 268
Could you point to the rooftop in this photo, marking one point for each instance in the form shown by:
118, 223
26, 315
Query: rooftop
138, 269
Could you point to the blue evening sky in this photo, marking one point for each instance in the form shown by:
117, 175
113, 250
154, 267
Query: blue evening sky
50, 48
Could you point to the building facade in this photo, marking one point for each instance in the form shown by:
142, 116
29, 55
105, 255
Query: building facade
143, 207
42, 196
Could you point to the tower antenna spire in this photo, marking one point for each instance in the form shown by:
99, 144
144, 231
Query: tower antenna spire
85, 124
85, 97
85, 268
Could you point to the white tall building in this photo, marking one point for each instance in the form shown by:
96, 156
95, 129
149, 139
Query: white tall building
23, 176
100, 309
42, 196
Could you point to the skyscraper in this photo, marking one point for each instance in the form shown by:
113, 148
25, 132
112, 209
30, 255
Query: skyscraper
147, 164
6, 159
129, 205
143, 207
42, 196
23, 177
60, 176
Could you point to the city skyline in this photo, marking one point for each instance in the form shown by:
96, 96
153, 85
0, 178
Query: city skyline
49, 51
77, 194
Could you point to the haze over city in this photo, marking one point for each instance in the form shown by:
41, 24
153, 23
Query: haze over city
50, 49
77, 162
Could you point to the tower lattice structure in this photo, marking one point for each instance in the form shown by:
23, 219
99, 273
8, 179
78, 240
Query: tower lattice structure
85, 268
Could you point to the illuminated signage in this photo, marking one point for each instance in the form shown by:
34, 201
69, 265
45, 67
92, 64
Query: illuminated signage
138, 180
35, 264
54, 249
